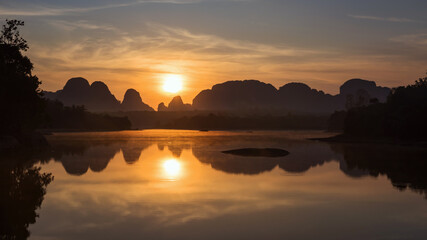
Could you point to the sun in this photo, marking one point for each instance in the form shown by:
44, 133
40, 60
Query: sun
172, 83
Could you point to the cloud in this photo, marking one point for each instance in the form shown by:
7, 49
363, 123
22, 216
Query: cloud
161, 49
389, 19
33, 10
123, 59
416, 40
70, 26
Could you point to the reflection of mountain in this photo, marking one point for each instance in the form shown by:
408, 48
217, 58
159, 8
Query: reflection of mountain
22, 189
132, 151
95, 157
175, 147
78, 157
404, 166
235, 164
301, 158
306, 156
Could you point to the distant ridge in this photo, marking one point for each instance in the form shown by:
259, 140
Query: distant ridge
176, 105
97, 97
248, 96
132, 102
256, 96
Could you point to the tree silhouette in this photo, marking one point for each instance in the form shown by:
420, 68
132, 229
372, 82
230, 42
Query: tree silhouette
22, 191
403, 116
21, 105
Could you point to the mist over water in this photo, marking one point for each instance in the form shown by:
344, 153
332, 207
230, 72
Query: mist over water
162, 184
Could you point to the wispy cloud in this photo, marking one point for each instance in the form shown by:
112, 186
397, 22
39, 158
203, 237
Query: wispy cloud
70, 26
129, 57
34, 10
385, 19
162, 48
417, 40
122, 59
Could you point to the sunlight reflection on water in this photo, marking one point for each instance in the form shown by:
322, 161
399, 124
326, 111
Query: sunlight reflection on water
171, 169
178, 185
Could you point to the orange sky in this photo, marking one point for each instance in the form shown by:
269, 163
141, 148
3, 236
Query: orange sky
134, 44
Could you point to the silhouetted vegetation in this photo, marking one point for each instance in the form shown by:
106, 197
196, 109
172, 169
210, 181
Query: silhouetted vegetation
257, 152
21, 104
404, 166
253, 122
403, 116
22, 189
58, 116
336, 121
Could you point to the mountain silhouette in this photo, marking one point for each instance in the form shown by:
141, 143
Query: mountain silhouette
253, 95
96, 97
178, 105
75, 92
237, 95
175, 105
300, 97
101, 98
352, 86
132, 102
233, 96
162, 107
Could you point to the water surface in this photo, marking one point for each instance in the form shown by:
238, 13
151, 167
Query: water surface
163, 184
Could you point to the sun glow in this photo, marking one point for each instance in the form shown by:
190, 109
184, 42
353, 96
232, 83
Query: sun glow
172, 83
171, 168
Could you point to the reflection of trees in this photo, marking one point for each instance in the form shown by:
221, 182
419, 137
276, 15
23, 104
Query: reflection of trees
404, 166
22, 189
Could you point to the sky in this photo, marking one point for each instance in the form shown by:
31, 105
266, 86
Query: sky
135, 44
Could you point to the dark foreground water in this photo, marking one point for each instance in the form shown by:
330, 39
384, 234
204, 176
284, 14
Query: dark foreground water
178, 185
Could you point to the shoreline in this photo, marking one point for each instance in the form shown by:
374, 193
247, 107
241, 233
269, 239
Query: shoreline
341, 138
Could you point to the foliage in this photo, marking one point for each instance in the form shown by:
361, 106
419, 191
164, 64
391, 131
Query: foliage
336, 121
253, 122
20, 97
403, 116
57, 116
22, 191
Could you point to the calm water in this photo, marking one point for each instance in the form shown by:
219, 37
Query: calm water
178, 185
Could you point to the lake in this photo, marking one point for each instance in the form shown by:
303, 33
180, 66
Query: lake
171, 184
